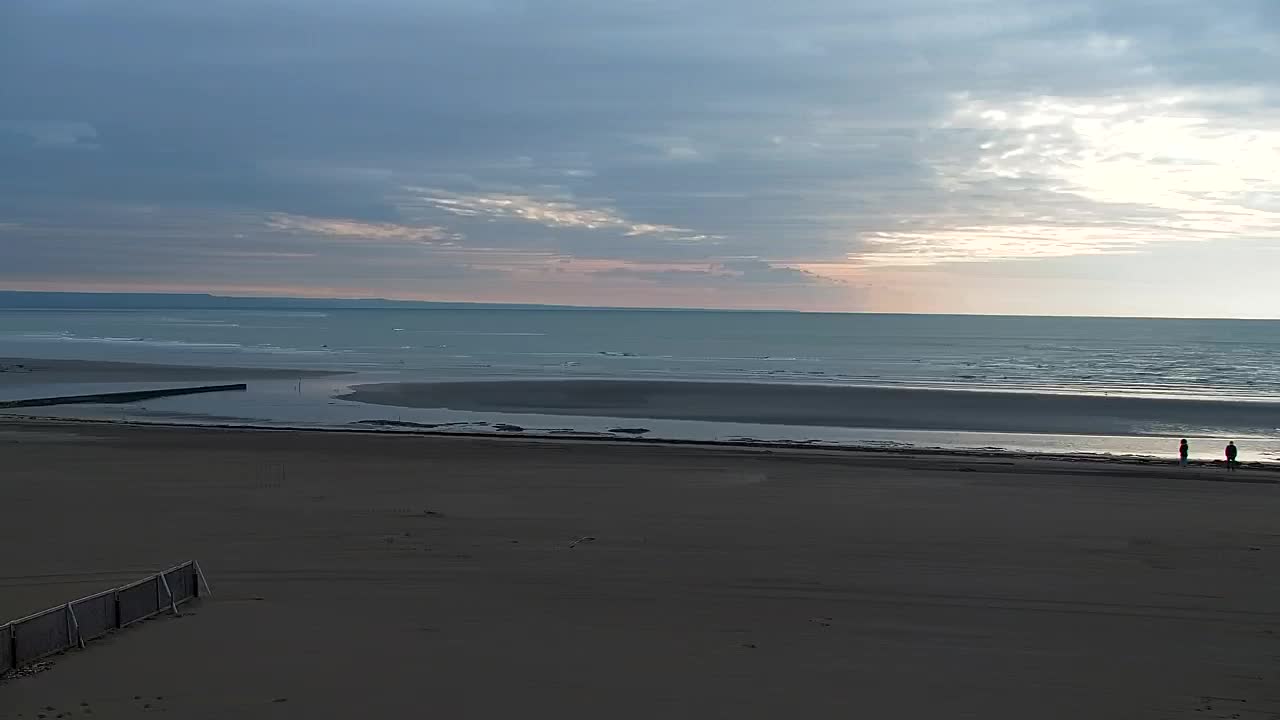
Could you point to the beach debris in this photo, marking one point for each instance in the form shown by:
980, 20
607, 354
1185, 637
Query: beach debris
584, 538
408, 424
504, 427
751, 646
27, 671
823, 621
629, 431
280, 700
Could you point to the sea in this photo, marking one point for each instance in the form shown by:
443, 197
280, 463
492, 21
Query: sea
1227, 361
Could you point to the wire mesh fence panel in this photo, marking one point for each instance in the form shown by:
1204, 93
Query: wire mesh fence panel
95, 616
182, 582
41, 635
6, 649
140, 600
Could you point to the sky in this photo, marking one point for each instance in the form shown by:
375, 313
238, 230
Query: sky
1090, 157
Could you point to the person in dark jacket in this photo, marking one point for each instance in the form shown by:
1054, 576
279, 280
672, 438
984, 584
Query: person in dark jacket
1231, 455
1183, 451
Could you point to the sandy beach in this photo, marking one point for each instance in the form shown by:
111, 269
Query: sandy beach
364, 575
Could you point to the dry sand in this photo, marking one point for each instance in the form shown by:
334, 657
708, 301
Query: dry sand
367, 576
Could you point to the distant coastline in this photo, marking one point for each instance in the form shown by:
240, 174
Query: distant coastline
51, 300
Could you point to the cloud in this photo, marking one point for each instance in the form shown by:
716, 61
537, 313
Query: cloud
1116, 174
729, 272
1164, 151
51, 135
985, 244
360, 230
548, 213
846, 138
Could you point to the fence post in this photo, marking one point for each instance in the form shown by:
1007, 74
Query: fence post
200, 575
172, 602
66, 617
73, 621
13, 644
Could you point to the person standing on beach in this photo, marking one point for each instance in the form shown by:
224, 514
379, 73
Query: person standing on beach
1183, 451
1231, 455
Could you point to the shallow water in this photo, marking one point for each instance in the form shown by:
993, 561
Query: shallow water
1225, 360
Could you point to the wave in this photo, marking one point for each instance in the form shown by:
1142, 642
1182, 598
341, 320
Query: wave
69, 337
475, 333
1046, 356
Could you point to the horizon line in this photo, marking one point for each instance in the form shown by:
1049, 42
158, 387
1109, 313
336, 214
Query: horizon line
473, 304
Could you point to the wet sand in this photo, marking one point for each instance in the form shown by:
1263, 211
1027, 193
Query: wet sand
373, 576
829, 405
